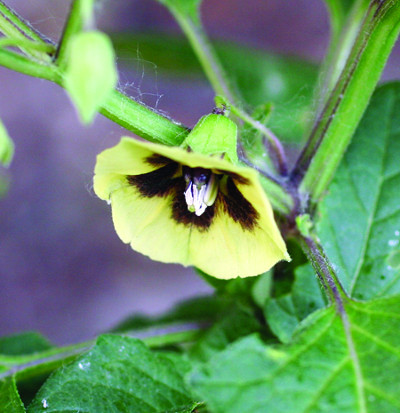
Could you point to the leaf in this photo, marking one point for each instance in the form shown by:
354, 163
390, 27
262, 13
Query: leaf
118, 374
235, 323
334, 364
23, 343
359, 220
91, 74
27, 359
259, 76
284, 313
200, 309
10, 401
6, 147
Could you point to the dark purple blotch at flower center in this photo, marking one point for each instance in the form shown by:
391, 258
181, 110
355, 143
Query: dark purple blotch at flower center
172, 179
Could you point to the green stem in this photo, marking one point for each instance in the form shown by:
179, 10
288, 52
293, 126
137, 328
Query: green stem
336, 124
324, 270
17, 30
343, 34
73, 25
16, 22
142, 120
27, 45
205, 53
24, 65
168, 339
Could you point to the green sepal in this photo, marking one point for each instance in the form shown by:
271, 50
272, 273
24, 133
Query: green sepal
91, 73
214, 135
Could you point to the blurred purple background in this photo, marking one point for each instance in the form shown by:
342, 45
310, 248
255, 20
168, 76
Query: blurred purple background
63, 270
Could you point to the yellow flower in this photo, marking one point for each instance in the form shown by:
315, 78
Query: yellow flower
184, 207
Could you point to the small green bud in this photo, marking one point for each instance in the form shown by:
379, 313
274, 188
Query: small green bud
222, 104
214, 135
91, 73
6, 146
304, 224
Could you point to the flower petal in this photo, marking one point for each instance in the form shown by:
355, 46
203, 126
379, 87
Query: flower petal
147, 225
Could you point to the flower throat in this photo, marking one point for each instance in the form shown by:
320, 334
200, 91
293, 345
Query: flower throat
201, 189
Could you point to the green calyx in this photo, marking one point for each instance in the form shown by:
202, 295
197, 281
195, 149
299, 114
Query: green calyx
214, 134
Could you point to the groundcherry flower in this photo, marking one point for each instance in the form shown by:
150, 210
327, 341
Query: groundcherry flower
177, 205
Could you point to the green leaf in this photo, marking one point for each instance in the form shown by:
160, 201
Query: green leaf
10, 402
235, 323
336, 363
259, 76
118, 374
359, 220
23, 343
200, 309
284, 313
6, 146
91, 74
27, 359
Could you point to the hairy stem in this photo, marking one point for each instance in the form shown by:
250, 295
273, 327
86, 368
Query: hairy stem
324, 270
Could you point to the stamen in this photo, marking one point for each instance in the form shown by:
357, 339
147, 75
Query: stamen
201, 190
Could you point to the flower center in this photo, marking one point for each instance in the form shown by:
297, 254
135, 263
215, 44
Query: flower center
201, 189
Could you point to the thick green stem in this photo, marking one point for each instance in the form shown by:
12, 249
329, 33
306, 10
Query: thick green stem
142, 120
336, 124
27, 45
29, 67
344, 31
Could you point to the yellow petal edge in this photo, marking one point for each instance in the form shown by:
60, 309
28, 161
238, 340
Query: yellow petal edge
224, 250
